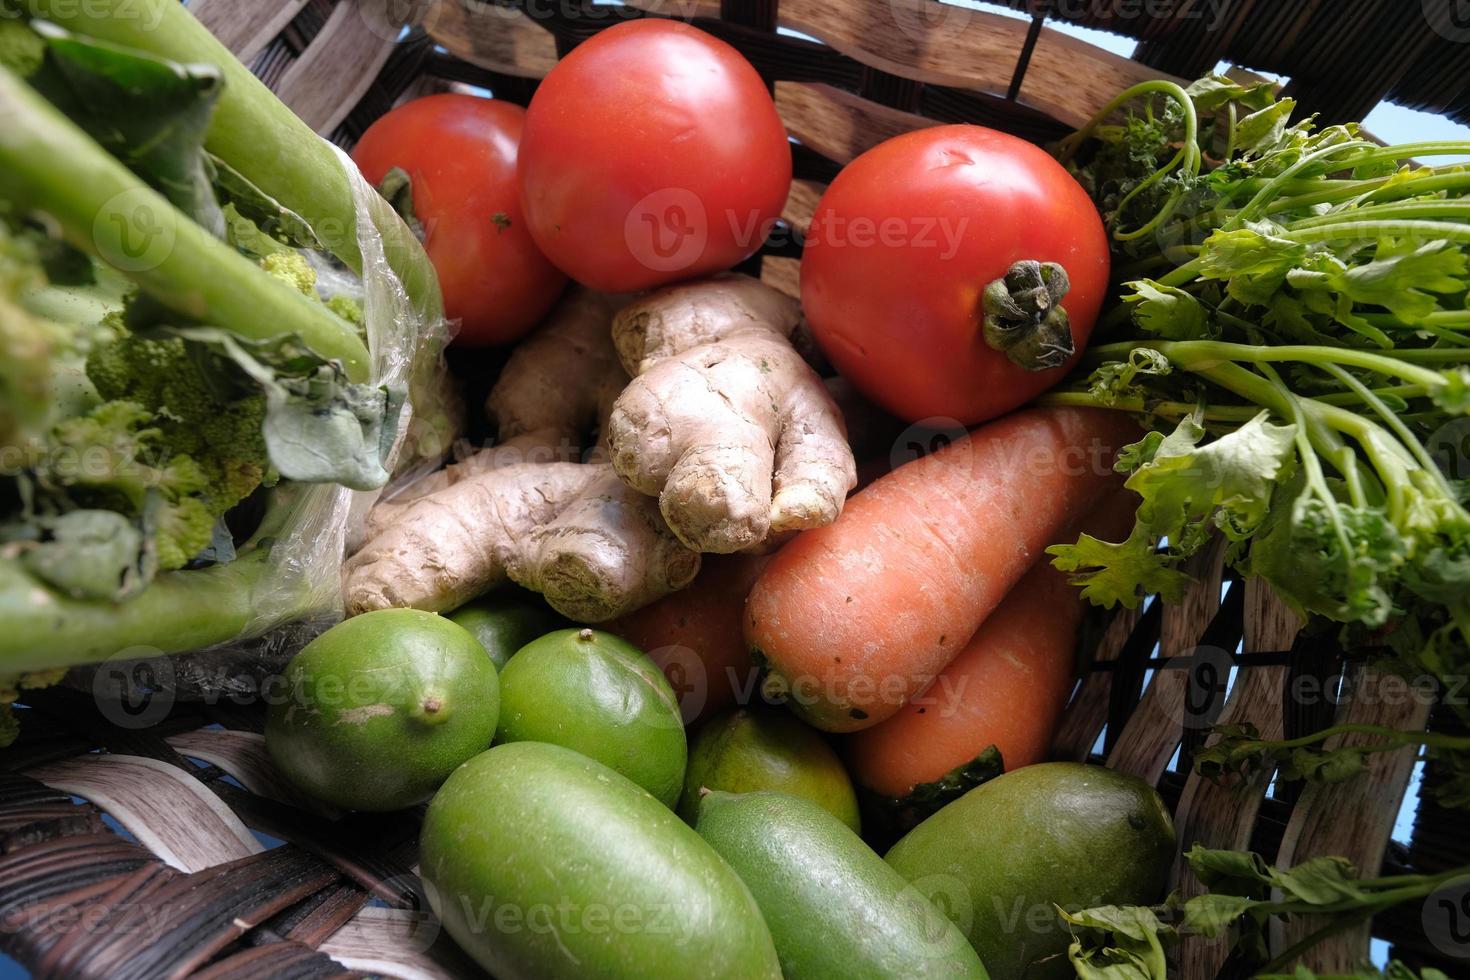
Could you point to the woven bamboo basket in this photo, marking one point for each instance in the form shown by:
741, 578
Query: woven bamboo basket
138, 843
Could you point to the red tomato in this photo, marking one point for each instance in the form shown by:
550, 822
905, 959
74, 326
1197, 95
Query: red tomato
652, 153
902, 247
460, 152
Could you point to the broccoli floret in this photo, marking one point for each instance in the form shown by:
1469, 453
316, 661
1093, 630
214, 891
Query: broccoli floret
221, 432
117, 458
185, 528
101, 456
292, 268
348, 309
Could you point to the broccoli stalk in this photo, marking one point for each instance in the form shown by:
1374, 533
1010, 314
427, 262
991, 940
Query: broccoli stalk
183, 610
257, 135
49, 165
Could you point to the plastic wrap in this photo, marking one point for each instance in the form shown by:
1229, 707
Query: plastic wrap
312, 525
306, 557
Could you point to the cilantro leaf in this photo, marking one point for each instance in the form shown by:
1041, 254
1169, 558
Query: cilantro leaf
1120, 574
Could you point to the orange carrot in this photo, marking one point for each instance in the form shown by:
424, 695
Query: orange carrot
694, 636
855, 618
1007, 688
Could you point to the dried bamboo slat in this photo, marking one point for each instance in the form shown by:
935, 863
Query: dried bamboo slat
166, 809
1353, 819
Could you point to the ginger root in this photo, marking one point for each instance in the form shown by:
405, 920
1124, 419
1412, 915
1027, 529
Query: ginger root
552, 398
526, 509
571, 531
560, 383
723, 420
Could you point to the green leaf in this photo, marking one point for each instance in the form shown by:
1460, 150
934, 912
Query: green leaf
319, 427
1167, 312
1214, 91
91, 554
397, 189
1123, 573
1321, 881
324, 429
148, 112
1253, 262
1227, 483
1118, 943
1332, 766
1454, 397
1326, 558
269, 216
1117, 380
1242, 873
1134, 455
1212, 914
1403, 281
1263, 130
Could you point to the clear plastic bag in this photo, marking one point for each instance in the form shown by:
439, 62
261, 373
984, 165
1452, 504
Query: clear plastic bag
300, 593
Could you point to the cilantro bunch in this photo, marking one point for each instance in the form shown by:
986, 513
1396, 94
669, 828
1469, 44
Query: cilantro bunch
1294, 333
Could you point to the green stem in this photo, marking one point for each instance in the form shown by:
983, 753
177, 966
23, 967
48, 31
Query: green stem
1187, 156
1216, 413
256, 134
1203, 351
1316, 479
1429, 231
1377, 189
1395, 425
49, 165
1439, 318
1407, 151
1294, 952
1274, 186
178, 611
1436, 740
1432, 210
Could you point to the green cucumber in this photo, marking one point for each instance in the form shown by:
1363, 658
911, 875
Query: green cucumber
835, 909
543, 863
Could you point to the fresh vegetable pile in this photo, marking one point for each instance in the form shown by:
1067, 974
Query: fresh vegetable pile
871, 649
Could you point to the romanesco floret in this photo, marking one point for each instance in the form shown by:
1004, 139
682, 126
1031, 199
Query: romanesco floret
221, 432
292, 268
185, 528
348, 309
114, 457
